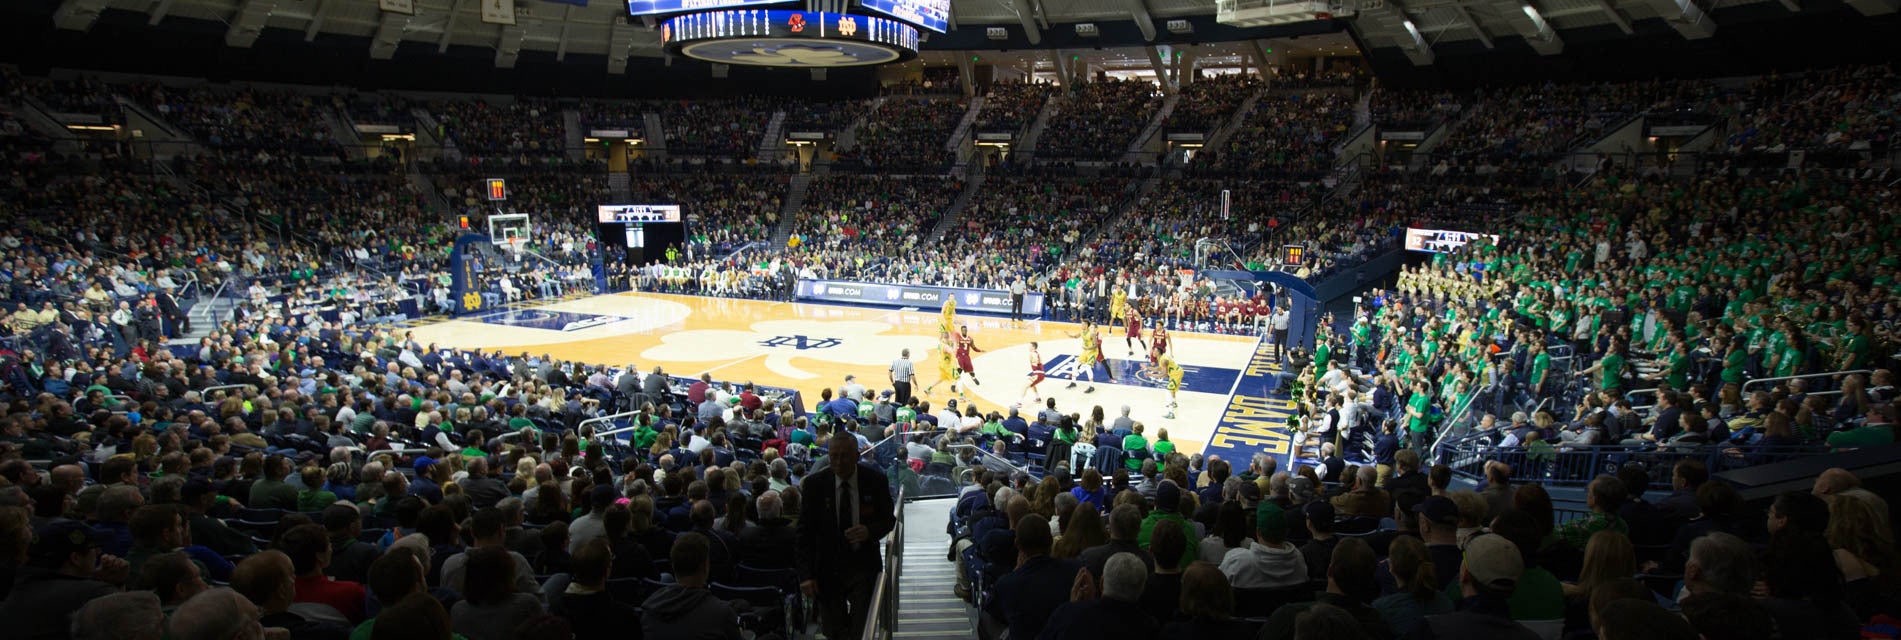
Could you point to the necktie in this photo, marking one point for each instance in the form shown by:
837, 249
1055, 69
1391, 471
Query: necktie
845, 507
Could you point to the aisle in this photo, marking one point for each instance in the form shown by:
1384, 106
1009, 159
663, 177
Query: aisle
927, 605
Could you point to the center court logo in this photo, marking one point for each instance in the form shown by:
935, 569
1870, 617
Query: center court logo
801, 342
786, 343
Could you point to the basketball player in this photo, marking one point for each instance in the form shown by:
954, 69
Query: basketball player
964, 346
1132, 329
946, 363
1158, 344
1092, 354
1036, 373
1174, 371
1118, 304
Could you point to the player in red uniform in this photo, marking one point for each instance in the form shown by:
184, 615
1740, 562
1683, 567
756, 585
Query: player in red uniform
1036, 372
964, 346
1158, 344
1132, 329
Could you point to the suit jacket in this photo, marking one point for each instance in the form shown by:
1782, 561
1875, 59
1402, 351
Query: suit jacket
1099, 619
1025, 598
822, 552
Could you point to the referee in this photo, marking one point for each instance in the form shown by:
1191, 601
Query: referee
902, 375
1017, 289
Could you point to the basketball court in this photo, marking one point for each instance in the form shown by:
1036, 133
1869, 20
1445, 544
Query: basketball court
813, 346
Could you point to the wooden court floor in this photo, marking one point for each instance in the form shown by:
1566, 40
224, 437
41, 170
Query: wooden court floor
813, 346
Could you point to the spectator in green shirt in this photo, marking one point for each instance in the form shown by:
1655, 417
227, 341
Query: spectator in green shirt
1604, 496
1132, 443
314, 498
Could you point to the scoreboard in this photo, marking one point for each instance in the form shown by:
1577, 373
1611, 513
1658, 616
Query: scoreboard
647, 231
621, 213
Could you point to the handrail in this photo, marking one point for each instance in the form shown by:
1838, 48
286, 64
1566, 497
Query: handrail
1826, 374
222, 387
884, 603
610, 418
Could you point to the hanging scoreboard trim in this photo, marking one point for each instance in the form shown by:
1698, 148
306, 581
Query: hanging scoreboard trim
775, 38
405, 7
1293, 254
497, 189
498, 11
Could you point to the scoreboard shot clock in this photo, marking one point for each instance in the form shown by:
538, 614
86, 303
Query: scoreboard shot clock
497, 189
646, 231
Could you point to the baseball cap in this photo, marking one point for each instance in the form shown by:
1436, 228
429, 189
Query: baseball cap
62, 538
1270, 520
423, 463
1168, 497
1438, 509
195, 489
1300, 489
1250, 491
602, 494
1493, 561
1320, 510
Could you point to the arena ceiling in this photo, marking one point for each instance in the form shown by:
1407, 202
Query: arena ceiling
1412, 27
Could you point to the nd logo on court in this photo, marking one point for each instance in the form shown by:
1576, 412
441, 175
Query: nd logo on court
783, 344
800, 342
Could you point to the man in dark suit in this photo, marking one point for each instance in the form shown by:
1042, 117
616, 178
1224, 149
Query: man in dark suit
168, 308
627, 389
847, 511
654, 387
1024, 598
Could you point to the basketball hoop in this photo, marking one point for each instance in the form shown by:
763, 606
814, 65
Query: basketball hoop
516, 245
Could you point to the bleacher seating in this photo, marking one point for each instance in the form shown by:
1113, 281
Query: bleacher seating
1684, 325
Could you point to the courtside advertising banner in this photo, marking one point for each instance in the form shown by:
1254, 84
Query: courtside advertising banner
906, 295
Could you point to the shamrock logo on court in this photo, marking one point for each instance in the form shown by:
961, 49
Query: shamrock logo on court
780, 342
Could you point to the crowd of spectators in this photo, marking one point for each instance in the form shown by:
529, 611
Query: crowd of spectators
1208, 101
1841, 109
80, 96
731, 127
722, 211
1009, 107
1541, 121
856, 221
1415, 110
244, 120
1286, 135
379, 110
1099, 120
563, 192
906, 134
625, 116
521, 127
1022, 227
821, 116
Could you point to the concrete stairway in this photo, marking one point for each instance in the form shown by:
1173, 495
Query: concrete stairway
773, 143
576, 139
928, 606
1025, 149
789, 212
656, 135
972, 187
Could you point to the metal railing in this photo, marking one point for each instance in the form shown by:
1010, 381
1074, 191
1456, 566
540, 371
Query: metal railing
884, 595
207, 390
1829, 374
609, 418
1577, 465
